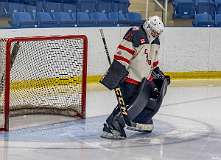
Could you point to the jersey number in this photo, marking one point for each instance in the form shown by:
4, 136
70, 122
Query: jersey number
147, 58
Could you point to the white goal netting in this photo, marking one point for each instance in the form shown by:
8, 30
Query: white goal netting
47, 76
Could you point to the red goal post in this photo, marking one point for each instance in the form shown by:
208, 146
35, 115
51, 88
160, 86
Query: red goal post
43, 75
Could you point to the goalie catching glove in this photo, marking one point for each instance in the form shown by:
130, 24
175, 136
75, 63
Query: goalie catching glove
159, 75
114, 75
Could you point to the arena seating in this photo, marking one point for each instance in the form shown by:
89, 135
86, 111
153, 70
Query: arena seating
218, 6
203, 20
67, 13
3, 8
122, 19
83, 19
30, 8
67, 7
86, 5
113, 16
218, 20
134, 18
104, 6
119, 19
205, 13
100, 19
53, 6
15, 7
22, 20
122, 5
44, 19
183, 9
205, 6
64, 19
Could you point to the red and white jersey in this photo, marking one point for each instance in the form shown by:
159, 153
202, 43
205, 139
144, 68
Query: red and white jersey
138, 54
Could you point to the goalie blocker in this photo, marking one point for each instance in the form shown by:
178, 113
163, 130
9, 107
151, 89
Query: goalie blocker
116, 73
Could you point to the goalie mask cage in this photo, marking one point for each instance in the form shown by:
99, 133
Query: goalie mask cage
42, 75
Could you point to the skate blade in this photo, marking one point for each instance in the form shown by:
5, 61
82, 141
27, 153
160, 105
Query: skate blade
111, 136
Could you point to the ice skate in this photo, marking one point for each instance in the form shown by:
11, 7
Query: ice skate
110, 133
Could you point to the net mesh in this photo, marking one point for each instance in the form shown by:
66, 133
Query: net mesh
45, 76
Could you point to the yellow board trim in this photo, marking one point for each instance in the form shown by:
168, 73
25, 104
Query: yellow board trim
176, 75
195, 75
52, 82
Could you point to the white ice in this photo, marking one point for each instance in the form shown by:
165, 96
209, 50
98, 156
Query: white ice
187, 127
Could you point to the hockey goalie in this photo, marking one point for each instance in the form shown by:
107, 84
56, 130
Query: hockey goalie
136, 72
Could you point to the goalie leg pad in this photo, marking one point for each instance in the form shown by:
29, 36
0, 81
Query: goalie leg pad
148, 113
141, 100
153, 105
114, 75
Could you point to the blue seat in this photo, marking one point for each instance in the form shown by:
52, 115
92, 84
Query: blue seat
40, 6
74, 17
83, 19
44, 19
114, 7
69, 1
203, 20
30, 2
15, 1
104, 6
183, 9
86, 5
30, 8
53, 6
203, 6
123, 19
218, 6
122, 1
123, 6
22, 20
3, 9
113, 16
134, 18
15, 7
64, 19
218, 20
100, 19
68, 7
118, 18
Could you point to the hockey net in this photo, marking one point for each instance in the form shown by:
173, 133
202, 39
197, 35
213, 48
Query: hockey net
42, 75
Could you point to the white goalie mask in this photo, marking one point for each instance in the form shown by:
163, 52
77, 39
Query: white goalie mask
153, 26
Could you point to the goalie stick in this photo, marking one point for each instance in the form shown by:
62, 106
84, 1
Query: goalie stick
12, 58
117, 90
13, 55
